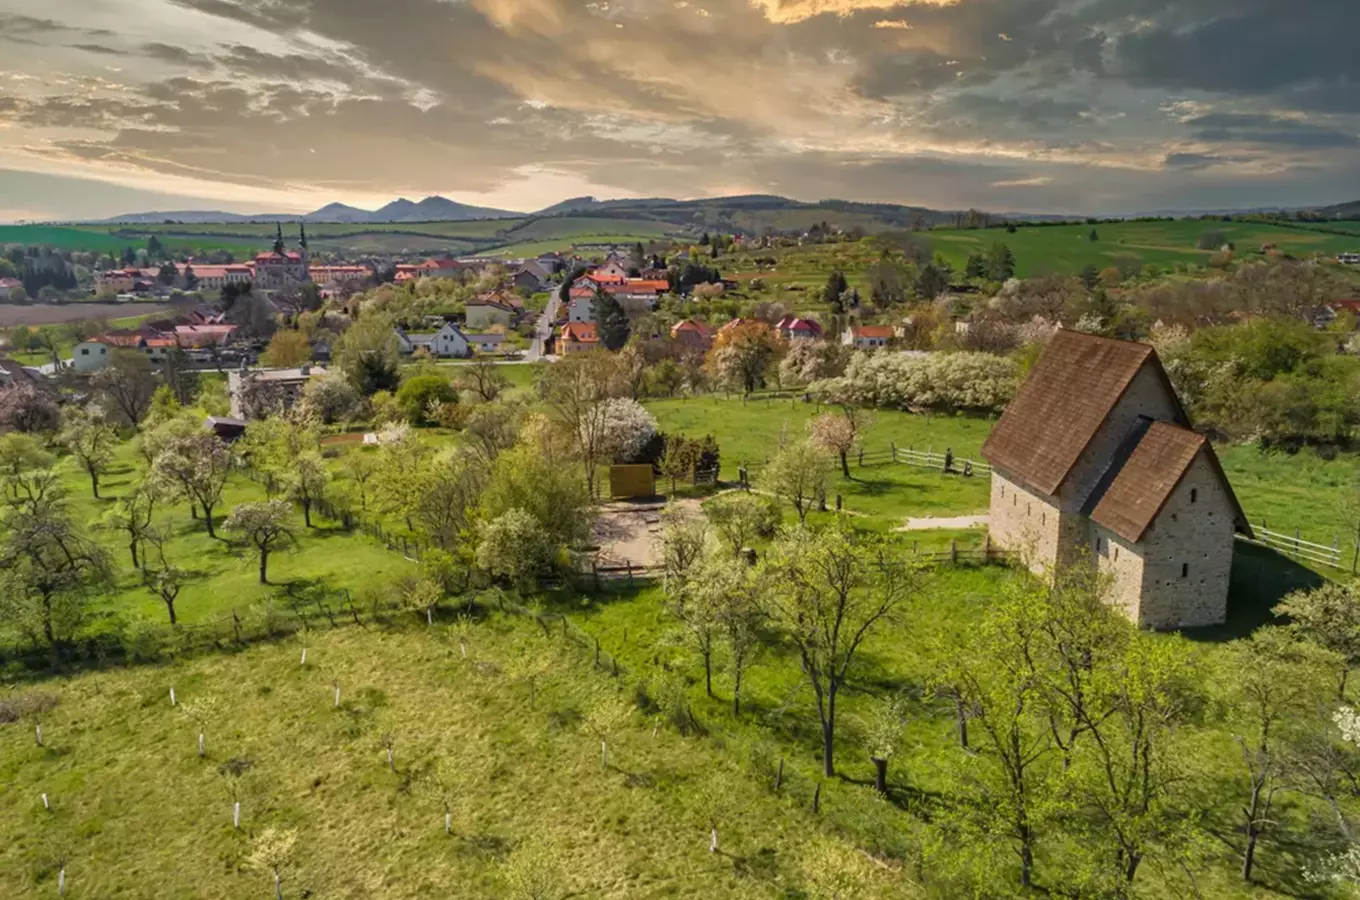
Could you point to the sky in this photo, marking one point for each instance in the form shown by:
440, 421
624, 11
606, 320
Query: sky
1052, 106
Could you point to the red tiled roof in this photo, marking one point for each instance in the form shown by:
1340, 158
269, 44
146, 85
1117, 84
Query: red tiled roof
792, 323
691, 325
580, 333
871, 331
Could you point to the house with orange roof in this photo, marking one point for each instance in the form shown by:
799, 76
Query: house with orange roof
692, 333
577, 337
199, 336
867, 337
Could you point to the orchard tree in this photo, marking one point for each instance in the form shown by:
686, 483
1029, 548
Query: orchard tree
131, 515
836, 433
90, 439
195, 467
1328, 616
306, 481
741, 518
1276, 685
828, 590
49, 571
128, 384
483, 379
576, 389
29, 410
265, 527
797, 474
516, 548
725, 594
886, 733
742, 356
271, 852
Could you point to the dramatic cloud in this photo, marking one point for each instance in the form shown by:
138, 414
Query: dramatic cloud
1044, 105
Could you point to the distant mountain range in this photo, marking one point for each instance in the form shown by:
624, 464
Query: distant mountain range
431, 209
750, 212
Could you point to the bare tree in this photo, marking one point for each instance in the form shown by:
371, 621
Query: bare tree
128, 383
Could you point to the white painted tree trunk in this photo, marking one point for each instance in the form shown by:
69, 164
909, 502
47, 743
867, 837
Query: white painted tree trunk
448, 822
61, 882
47, 806
172, 696
604, 755
38, 731
337, 695
713, 841
201, 750
429, 615
390, 764
278, 886
304, 656
236, 815
462, 645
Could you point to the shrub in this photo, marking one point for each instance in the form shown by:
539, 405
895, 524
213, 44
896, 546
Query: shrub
415, 395
979, 382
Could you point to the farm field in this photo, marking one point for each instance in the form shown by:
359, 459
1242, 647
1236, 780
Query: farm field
1045, 249
58, 313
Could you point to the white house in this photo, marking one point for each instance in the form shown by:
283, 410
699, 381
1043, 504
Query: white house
867, 337
485, 343
89, 356
582, 309
448, 341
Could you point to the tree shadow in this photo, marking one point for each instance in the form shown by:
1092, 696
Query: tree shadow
1260, 579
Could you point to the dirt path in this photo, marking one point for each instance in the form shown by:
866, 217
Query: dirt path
628, 532
930, 522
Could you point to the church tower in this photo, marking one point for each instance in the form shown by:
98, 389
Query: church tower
302, 243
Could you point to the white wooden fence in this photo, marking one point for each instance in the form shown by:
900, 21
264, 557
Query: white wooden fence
1293, 545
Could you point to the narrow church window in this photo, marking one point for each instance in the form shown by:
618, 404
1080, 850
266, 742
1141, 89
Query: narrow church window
1185, 569
1043, 518
1116, 554
1194, 494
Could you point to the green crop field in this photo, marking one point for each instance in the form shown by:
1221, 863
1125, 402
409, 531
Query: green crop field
1047, 249
92, 238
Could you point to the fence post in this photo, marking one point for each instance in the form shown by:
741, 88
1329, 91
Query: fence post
953, 550
236, 624
861, 457
987, 550
1296, 542
893, 444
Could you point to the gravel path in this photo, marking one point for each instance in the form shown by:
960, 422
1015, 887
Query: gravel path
927, 523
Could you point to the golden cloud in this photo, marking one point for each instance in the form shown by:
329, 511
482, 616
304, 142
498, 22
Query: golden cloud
785, 12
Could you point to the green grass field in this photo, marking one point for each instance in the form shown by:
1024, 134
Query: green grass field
135, 811
1047, 249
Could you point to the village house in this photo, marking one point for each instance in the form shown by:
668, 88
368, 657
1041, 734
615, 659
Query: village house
496, 308
448, 342
490, 342
691, 333
795, 329
89, 356
197, 337
283, 387
577, 337
867, 337
7, 287
1095, 460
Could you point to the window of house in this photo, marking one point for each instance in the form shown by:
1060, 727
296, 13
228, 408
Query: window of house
1194, 494
1185, 569
84, 351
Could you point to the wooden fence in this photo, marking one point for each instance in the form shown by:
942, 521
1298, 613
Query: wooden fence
1295, 547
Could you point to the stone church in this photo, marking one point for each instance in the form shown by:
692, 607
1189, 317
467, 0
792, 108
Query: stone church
1095, 459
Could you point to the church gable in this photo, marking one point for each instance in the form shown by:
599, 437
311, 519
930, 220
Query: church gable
1078, 380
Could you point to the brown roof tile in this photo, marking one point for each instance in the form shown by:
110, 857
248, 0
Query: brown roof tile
1146, 479
1058, 410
